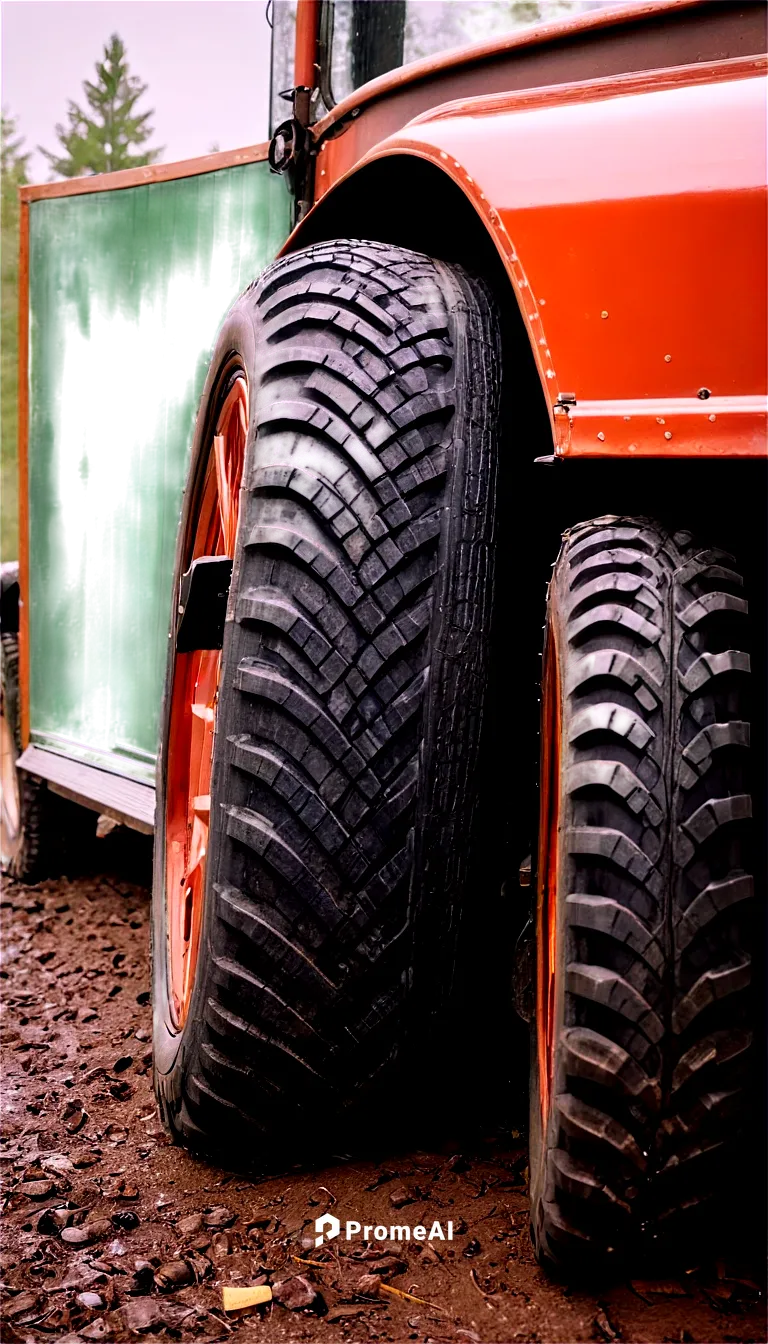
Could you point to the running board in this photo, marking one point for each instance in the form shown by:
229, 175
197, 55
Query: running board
124, 800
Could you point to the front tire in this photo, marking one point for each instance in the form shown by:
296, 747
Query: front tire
643, 1027
350, 702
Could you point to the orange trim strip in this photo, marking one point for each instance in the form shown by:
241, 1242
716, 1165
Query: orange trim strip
138, 177
23, 430
677, 427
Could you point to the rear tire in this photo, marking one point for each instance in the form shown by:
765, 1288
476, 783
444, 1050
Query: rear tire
351, 697
641, 1059
26, 814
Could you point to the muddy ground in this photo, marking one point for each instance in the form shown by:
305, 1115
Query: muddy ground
111, 1233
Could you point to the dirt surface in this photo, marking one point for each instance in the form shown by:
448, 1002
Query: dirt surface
112, 1233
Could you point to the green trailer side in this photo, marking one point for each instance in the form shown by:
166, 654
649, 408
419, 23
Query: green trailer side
127, 290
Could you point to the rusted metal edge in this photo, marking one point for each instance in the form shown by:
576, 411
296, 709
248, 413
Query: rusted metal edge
138, 177
23, 469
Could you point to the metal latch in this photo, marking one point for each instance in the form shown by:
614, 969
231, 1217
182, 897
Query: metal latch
203, 603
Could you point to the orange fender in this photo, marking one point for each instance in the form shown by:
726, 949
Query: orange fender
630, 214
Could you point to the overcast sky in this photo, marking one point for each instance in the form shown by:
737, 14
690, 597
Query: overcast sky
206, 63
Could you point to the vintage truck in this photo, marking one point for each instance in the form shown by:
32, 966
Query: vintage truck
509, 367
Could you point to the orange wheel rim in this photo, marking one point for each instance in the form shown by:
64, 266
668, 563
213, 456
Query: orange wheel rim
547, 866
194, 699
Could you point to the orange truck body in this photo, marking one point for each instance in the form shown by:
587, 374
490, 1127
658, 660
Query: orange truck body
629, 210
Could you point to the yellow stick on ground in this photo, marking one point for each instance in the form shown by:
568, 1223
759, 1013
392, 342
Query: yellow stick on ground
235, 1299
398, 1292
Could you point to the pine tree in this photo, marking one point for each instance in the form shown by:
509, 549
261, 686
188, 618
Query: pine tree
13, 176
104, 138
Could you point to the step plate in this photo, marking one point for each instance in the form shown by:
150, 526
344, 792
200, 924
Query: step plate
124, 800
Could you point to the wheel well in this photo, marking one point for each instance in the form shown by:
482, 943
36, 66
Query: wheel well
406, 201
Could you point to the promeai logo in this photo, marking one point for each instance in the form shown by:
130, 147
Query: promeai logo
329, 1227
326, 1228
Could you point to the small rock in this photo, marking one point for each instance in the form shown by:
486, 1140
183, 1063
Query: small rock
296, 1293
219, 1217
37, 1189
75, 1236
113, 1189
174, 1274
34, 1172
344, 1314
389, 1265
98, 1329
82, 1277
190, 1225
123, 1063
220, 1245
74, 1118
401, 1196
100, 1227
428, 1255
58, 1163
51, 1221
368, 1285
84, 1157
121, 1091
90, 1300
143, 1314
457, 1163
20, 1305
382, 1177
472, 1247
115, 1134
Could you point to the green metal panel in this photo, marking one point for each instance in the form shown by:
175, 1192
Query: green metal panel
127, 291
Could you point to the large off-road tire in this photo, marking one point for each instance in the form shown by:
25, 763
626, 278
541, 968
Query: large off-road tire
641, 1054
350, 700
